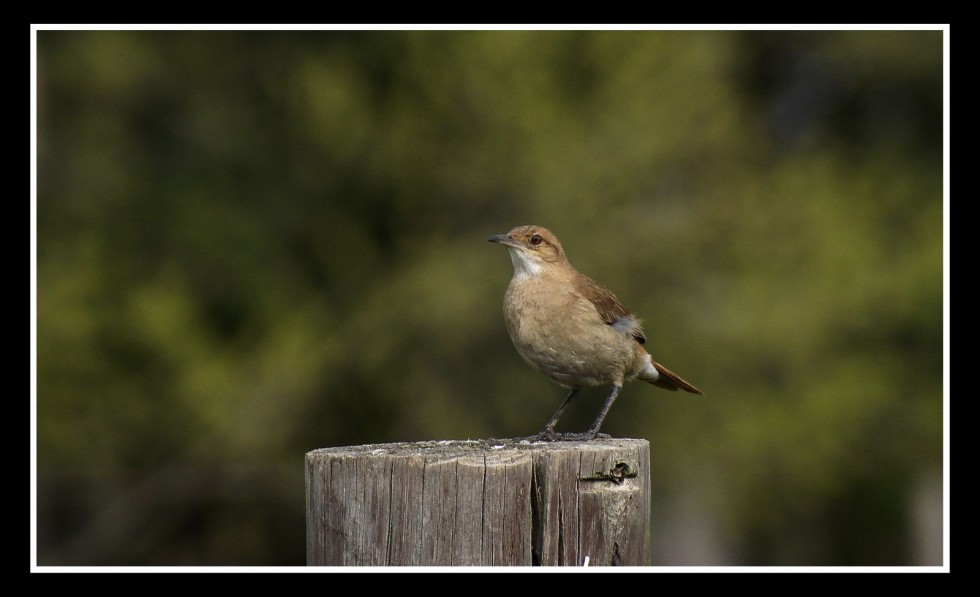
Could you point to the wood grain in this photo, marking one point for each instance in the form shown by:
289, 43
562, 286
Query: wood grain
479, 503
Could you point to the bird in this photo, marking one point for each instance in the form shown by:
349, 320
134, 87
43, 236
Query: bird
572, 329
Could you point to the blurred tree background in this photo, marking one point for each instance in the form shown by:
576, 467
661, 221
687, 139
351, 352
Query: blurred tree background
255, 244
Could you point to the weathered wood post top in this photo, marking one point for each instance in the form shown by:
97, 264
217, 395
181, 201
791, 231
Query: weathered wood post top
479, 503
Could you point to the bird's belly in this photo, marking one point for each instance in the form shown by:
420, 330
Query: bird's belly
568, 341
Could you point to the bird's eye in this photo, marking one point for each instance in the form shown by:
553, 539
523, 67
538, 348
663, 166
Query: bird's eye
535, 239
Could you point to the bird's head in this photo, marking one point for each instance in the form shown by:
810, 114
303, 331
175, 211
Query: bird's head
532, 249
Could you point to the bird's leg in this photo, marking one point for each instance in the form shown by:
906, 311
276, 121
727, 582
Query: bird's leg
548, 433
594, 428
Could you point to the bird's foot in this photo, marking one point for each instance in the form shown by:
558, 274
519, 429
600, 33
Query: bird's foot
550, 435
582, 437
545, 435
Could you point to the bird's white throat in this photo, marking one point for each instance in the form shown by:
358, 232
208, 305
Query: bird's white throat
524, 265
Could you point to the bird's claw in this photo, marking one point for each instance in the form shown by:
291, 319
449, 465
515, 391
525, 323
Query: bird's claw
582, 437
550, 435
545, 435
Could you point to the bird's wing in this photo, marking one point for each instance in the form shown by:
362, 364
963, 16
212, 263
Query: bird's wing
610, 309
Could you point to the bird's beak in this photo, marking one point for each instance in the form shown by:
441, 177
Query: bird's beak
504, 240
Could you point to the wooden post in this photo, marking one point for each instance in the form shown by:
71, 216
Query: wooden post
479, 503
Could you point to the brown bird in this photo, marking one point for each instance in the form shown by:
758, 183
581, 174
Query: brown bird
572, 329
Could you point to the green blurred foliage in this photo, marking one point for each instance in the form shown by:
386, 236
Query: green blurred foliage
255, 244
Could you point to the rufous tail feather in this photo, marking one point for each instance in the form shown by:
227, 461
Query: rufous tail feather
670, 380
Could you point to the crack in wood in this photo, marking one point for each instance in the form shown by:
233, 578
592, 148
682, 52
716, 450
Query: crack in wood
452, 541
391, 506
617, 560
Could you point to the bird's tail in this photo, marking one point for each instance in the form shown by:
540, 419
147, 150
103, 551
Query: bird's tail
665, 378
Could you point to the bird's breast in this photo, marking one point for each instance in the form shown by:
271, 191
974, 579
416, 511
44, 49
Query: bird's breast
560, 333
